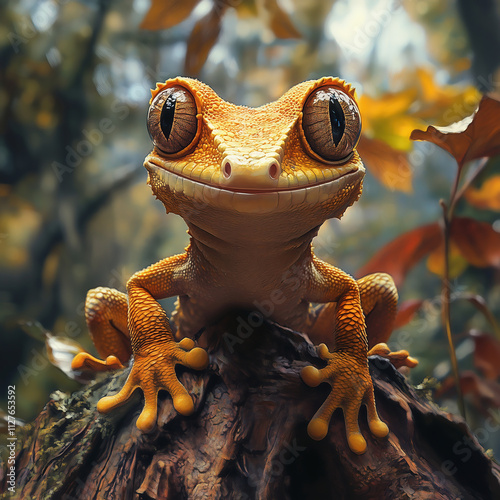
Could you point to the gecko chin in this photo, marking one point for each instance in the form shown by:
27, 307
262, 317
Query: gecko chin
333, 196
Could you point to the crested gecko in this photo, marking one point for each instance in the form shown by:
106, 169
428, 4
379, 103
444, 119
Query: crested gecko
253, 186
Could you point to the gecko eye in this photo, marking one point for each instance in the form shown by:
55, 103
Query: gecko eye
331, 123
172, 120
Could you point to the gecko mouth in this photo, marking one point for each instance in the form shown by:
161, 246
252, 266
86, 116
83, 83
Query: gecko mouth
254, 200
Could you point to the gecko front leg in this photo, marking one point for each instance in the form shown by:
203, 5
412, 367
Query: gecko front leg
155, 351
347, 366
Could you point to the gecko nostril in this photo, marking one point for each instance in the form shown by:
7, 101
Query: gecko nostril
274, 171
227, 170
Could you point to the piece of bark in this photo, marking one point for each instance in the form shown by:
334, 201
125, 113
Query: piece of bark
247, 438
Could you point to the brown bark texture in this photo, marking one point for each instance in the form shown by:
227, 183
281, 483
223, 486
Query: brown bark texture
247, 438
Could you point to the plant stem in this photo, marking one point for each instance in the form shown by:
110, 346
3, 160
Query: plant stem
456, 194
448, 211
445, 303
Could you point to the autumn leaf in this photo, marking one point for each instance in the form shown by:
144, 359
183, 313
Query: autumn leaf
164, 14
484, 393
486, 354
278, 19
389, 119
61, 351
203, 37
443, 104
388, 165
477, 241
473, 137
401, 254
406, 311
386, 117
457, 263
487, 196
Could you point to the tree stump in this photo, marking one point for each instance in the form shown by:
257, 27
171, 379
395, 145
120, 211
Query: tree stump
247, 437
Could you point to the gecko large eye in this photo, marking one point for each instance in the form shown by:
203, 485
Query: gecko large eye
331, 123
172, 120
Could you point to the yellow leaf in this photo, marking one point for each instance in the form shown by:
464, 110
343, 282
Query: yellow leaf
487, 196
444, 104
457, 262
387, 117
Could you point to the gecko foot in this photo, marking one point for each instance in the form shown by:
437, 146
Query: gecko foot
351, 387
397, 358
154, 370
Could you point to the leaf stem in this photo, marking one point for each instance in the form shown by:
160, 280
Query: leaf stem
456, 194
446, 297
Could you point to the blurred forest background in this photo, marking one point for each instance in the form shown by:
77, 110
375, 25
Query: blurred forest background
76, 213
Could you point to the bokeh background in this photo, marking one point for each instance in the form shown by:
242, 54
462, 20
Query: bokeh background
75, 210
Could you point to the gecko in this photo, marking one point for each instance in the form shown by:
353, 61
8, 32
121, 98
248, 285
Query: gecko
253, 185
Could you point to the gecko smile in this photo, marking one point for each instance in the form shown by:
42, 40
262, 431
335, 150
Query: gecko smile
280, 197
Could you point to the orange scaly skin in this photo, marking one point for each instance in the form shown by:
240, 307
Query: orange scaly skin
253, 193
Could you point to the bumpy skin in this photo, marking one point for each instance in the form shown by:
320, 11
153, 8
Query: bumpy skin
253, 195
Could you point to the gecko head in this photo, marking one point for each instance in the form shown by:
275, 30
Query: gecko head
293, 156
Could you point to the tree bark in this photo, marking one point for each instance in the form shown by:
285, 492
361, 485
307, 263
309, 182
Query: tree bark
247, 438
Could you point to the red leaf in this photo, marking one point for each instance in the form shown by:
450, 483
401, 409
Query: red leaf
406, 311
401, 254
486, 354
478, 242
484, 394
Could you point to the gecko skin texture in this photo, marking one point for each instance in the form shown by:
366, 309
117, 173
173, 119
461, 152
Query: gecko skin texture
253, 186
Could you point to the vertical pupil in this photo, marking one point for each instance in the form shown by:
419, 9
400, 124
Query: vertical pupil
337, 119
167, 115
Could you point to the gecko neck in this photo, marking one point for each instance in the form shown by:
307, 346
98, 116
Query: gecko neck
251, 254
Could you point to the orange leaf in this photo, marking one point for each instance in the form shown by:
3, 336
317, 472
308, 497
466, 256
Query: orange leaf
486, 354
487, 196
279, 21
443, 104
164, 14
401, 254
474, 137
388, 165
202, 39
478, 242
406, 311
